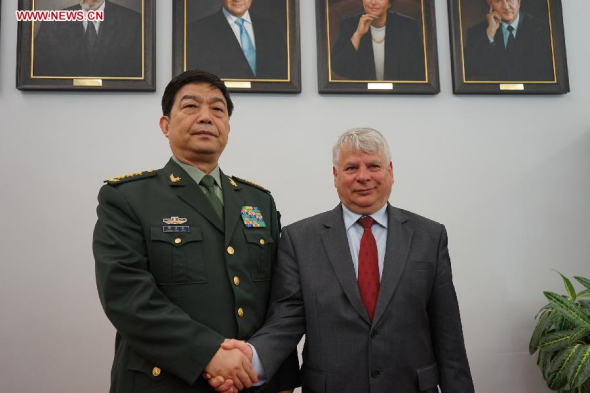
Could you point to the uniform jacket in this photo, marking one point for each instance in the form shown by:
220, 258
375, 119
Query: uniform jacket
60, 49
529, 59
174, 294
404, 50
415, 341
212, 46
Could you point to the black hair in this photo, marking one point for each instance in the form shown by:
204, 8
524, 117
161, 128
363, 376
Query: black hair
193, 76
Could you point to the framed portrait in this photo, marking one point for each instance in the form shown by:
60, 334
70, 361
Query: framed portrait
252, 45
508, 47
86, 45
377, 46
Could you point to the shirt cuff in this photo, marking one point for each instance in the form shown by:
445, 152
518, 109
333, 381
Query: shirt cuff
491, 39
257, 366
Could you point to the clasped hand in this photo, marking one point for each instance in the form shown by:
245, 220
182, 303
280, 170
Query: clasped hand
230, 370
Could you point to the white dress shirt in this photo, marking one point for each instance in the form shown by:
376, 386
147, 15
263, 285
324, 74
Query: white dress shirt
378, 38
236, 29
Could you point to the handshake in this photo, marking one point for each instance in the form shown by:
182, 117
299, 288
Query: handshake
230, 370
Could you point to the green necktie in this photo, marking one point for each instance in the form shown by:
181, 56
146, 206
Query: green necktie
209, 182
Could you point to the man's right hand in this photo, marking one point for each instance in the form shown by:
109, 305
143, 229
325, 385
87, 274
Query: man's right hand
232, 365
230, 343
494, 20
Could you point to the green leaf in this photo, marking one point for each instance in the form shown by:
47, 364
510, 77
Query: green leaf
557, 341
585, 293
584, 281
579, 334
546, 319
559, 366
569, 286
544, 362
580, 371
568, 309
584, 303
545, 307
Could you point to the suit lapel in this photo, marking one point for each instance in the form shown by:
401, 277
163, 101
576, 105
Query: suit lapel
233, 200
191, 193
391, 54
231, 48
399, 239
336, 246
106, 35
368, 56
499, 38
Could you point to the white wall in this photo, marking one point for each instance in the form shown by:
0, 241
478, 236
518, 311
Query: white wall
509, 176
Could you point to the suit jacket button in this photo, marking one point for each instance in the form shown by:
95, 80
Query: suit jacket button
230, 250
236, 280
177, 240
240, 312
375, 373
156, 372
374, 333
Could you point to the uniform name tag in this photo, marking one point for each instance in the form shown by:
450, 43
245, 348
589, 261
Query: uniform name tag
176, 228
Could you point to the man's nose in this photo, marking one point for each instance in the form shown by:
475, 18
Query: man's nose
363, 174
204, 115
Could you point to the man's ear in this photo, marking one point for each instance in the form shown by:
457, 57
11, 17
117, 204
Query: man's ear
334, 173
391, 171
164, 123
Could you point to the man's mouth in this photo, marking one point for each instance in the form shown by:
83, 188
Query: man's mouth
203, 133
364, 191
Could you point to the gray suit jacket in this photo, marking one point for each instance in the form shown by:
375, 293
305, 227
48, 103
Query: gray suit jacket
415, 341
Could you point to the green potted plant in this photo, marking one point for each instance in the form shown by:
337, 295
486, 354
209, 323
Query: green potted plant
562, 337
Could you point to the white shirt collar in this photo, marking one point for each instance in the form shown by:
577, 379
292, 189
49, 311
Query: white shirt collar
514, 23
350, 217
231, 19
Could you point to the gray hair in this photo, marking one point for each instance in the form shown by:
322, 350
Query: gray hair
364, 139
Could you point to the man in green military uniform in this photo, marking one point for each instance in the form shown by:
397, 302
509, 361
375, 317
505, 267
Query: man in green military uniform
184, 255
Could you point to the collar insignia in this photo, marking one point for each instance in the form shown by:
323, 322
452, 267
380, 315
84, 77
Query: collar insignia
174, 179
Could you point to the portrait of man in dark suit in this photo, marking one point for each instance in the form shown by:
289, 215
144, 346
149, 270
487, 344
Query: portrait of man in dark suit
108, 48
376, 43
510, 45
237, 42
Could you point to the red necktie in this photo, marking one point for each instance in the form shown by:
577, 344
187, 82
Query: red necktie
368, 274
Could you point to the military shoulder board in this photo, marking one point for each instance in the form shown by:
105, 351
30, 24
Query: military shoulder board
130, 176
250, 183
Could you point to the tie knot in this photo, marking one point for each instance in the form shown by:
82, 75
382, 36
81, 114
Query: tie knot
510, 29
240, 22
366, 222
208, 181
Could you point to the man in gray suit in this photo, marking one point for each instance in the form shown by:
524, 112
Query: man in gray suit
370, 286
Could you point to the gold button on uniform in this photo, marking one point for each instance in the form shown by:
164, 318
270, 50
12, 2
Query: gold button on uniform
156, 371
262, 242
240, 312
230, 250
237, 280
177, 240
